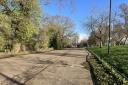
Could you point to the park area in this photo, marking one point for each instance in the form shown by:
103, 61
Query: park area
63, 42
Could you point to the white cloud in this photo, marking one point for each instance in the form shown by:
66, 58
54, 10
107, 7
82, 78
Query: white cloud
83, 36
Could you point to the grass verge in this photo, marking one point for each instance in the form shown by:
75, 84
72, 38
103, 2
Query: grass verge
117, 59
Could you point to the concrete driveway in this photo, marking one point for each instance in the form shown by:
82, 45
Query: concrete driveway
59, 67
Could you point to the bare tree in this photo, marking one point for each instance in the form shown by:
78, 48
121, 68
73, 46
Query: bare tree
124, 15
117, 34
98, 26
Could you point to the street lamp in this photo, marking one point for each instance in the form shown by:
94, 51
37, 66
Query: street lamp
109, 34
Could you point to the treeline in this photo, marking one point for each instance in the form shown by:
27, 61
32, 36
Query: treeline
98, 25
24, 28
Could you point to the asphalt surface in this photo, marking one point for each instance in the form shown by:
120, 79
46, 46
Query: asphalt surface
59, 67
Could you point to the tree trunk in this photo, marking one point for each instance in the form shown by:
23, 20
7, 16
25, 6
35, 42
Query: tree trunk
120, 41
16, 48
125, 40
114, 43
101, 44
23, 48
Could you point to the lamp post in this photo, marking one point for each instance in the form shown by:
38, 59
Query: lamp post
109, 33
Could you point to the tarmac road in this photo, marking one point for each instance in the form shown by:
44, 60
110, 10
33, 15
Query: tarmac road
59, 67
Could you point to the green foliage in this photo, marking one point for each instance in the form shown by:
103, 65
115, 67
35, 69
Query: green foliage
2, 42
67, 42
56, 42
118, 57
19, 20
43, 41
5, 25
59, 29
25, 31
53, 31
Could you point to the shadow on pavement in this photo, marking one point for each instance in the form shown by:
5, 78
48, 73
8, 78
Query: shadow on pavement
10, 81
27, 75
45, 62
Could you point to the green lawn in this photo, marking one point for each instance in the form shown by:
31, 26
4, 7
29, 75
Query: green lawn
118, 57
